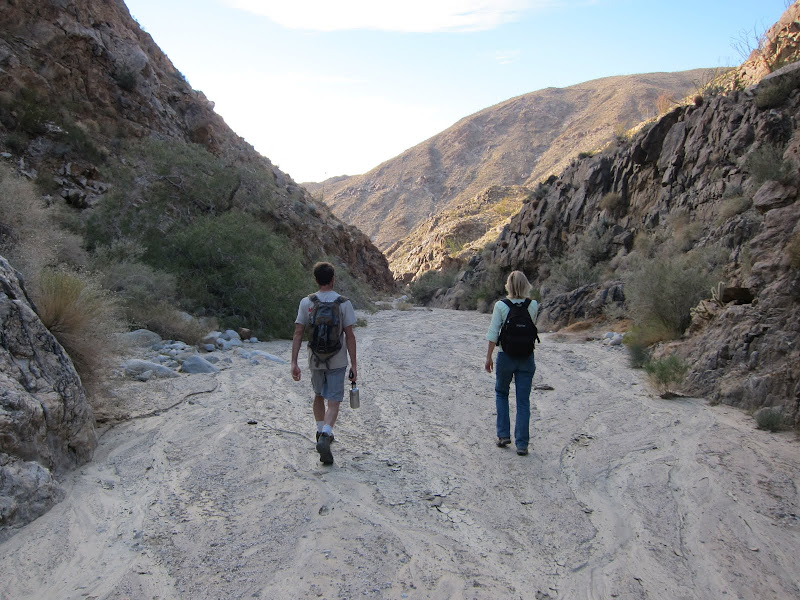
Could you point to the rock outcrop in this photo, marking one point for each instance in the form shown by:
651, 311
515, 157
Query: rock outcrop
695, 172
46, 423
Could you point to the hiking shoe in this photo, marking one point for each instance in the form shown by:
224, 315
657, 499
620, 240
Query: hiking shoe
324, 449
503, 442
522, 451
320, 433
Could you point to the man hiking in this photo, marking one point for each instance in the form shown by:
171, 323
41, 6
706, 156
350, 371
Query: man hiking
330, 318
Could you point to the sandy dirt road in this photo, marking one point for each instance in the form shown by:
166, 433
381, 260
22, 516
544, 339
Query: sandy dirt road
624, 494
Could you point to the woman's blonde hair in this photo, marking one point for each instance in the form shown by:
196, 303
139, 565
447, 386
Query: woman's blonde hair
517, 285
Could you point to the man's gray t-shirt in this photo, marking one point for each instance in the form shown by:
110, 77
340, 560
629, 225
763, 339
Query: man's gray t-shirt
338, 360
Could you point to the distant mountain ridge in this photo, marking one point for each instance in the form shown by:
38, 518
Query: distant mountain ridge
517, 142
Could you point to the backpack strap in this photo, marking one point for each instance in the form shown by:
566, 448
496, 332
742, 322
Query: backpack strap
525, 305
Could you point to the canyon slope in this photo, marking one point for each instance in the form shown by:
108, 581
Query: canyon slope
517, 142
81, 82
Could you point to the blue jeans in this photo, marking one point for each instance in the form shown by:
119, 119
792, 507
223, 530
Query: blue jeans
522, 370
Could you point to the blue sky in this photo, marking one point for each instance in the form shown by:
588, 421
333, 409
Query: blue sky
334, 87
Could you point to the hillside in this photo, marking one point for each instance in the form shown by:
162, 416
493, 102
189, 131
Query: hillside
519, 141
692, 228
98, 117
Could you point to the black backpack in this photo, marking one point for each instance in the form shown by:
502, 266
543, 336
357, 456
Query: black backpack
326, 327
518, 334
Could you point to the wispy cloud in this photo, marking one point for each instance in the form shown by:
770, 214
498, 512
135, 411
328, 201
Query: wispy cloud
419, 16
506, 57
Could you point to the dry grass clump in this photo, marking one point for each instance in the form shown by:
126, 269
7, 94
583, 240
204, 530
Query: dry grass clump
30, 239
82, 317
664, 103
611, 201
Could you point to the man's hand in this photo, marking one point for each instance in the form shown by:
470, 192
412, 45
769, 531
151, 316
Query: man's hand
295, 372
353, 374
489, 364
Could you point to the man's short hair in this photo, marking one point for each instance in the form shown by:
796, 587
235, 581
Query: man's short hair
323, 273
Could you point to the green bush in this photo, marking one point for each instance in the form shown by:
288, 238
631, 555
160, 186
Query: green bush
126, 80
17, 142
181, 182
666, 373
492, 285
237, 270
770, 419
580, 265
637, 350
660, 291
453, 245
571, 272
426, 285
767, 164
773, 94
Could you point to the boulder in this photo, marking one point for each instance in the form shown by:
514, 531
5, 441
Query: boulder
198, 364
136, 368
47, 424
141, 338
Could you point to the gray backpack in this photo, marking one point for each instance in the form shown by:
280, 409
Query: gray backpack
326, 328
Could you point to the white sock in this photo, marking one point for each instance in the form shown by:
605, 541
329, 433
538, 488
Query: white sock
327, 429
320, 424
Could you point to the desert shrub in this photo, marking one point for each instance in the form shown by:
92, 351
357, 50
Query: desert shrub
82, 317
233, 268
147, 296
491, 286
169, 322
686, 234
732, 206
767, 164
32, 113
72, 140
770, 419
622, 133
638, 354
570, 272
585, 154
403, 305
774, 93
660, 291
453, 245
666, 373
361, 322
506, 207
664, 103
183, 182
611, 201
17, 142
126, 80
426, 285
541, 189
30, 237
793, 251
